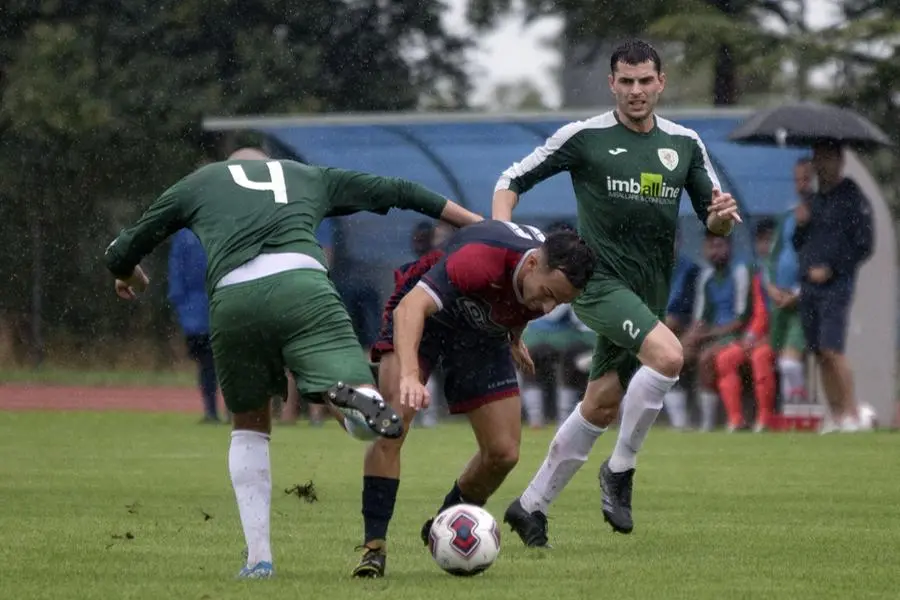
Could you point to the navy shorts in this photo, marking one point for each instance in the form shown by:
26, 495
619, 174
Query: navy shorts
825, 312
478, 369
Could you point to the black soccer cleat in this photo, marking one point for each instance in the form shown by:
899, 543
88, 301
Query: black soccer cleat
531, 527
372, 563
425, 533
615, 490
374, 412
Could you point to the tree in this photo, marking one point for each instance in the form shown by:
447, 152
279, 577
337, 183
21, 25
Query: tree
101, 101
520, 94
729, 31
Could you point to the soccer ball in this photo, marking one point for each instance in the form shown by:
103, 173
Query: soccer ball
464, 540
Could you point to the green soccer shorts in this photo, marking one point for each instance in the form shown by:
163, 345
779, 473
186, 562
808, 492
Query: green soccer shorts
293, 319
622, 320
785, 330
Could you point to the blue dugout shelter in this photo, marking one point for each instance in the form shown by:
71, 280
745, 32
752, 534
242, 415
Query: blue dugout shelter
462, 155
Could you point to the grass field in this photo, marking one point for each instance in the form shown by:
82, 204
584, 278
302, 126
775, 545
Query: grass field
718, 516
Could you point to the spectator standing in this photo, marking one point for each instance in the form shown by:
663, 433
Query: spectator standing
187, 294
833, 236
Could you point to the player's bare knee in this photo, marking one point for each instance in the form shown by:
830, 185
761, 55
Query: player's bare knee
668, 358
388, 449
602, 398
501, 457
662, 352
256, 420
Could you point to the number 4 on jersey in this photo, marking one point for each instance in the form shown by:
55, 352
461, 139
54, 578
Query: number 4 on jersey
275, 185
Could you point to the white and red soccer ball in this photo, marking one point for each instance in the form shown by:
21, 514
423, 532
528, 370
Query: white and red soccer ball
464, 540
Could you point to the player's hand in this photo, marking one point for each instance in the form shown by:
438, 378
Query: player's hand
413, 393
124, 291
724, 207
522, 357
137, 283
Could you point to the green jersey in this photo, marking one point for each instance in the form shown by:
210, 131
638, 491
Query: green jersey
243, 208
628, 186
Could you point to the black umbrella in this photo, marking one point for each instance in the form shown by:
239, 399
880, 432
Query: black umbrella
805, 123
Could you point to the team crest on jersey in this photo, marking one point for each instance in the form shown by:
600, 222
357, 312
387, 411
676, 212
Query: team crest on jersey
478, 315
668, 157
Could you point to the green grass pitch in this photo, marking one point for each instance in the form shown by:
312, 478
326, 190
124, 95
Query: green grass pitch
717, 516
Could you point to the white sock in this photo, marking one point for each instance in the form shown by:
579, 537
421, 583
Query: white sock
642, 403
676, 407
709, 403
533, 400
569, 450
791, 377
566, 398
251, 477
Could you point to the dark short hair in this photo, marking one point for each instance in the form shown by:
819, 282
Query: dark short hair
765, 226
635, 52
566, 251
559, 226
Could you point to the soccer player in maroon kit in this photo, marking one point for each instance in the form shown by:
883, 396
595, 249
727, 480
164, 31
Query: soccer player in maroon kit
465, 307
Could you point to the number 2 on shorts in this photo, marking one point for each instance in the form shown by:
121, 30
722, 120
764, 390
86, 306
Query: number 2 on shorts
629, 328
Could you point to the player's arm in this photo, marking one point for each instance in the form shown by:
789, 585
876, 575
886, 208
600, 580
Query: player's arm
409, 324
164, 217
559, 153
353, 191
703, 187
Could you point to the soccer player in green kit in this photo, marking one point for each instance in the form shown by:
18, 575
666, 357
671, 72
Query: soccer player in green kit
628, 169
272, 305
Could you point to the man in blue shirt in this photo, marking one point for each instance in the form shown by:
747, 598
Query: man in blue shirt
187, 294
720, 313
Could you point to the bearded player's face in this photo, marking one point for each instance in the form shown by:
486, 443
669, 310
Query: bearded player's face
637, 89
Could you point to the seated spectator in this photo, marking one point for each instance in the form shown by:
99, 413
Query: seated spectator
752, 346
679, 314
554, 342
720, 315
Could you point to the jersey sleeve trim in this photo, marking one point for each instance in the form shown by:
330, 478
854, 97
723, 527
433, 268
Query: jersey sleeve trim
431, 292
673, 128
546, 152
